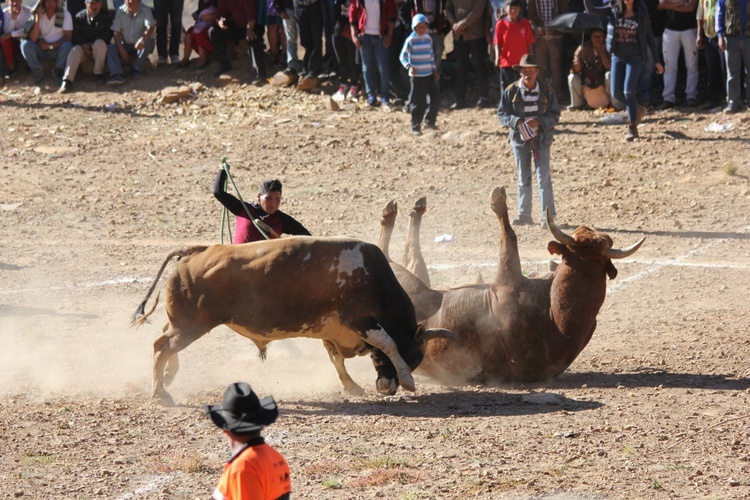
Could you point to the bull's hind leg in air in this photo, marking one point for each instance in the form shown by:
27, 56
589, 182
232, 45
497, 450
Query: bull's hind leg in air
350, 386
509, 262
166, 348
387, 222
413, 259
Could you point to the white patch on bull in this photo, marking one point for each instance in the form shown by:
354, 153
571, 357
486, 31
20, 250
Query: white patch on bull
348, 262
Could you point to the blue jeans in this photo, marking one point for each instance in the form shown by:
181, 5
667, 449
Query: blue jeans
541, 154
624, 77
374, 64
291, 31
35, 56
139, 65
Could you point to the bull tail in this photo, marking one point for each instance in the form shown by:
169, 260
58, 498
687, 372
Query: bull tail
140, 316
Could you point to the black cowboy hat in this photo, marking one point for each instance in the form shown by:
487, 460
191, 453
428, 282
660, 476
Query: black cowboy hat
242, 411
527, 61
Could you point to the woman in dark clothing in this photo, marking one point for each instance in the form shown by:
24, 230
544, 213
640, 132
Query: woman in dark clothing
629, 38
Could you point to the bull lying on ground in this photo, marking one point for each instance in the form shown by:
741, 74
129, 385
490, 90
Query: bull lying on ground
518, 329
341, 291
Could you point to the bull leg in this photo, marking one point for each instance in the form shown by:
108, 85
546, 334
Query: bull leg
166, 348
509, 262
381, 340
350, 386
387, 222
413, 259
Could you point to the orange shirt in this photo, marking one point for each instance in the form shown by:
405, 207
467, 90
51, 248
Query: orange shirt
256, 473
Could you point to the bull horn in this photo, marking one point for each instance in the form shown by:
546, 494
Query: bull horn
558, 233
615, 253
440, 333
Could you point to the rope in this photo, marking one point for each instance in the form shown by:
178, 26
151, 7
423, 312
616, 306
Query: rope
225, 212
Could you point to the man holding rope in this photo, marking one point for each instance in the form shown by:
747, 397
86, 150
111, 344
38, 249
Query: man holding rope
265, 210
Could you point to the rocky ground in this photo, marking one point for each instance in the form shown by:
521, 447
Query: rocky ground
96, 187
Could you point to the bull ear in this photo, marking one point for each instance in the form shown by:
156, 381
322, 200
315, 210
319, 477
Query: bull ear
611, 270
555, 248
419, 336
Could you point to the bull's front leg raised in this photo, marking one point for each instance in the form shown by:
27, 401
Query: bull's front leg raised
350, 386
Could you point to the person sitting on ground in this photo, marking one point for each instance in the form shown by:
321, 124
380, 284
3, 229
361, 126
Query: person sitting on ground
196, 38
15, 17
235, 20
92, 33
588, 80
256, 470
133, 29
266, 209
513, 39
50, 39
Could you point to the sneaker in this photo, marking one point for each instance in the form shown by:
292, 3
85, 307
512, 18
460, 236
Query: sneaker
353, 92
116, 80
523, 220
174, 59
372, 102
709, 105
430, 125
162, 61
732, 108
100, 79
665, 105
632, 133
416, 131
692, 102
259, 82
307, 82
340, 94
66, 87
385, 105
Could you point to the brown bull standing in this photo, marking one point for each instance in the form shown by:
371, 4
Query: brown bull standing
339, 290
518, 329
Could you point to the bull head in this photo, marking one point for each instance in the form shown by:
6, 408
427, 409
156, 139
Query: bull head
566, 239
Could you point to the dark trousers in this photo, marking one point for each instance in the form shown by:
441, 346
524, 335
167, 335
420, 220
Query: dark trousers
310, 22
507, 76
423, 98
220, 37
715, 71
346, 53
470, 52
168, 13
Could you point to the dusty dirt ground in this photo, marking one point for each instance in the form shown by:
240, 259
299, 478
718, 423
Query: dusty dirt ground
97, 187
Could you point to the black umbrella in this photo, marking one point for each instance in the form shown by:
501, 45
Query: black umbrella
573, 22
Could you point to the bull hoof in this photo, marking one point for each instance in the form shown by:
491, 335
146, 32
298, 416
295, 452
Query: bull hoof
387, 386
163, 398
498, 197
354, 390
390, 208
420, 206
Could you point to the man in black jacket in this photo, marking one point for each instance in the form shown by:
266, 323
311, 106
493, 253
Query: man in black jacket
91, 34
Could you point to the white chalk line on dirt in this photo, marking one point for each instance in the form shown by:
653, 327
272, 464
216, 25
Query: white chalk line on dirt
151, 486
95, 284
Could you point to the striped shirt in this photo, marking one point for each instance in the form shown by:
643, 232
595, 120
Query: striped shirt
418, 54
530, 102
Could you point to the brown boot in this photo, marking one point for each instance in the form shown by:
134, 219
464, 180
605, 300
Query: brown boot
632, 132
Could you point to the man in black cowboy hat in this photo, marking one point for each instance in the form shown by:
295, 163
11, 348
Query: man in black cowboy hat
530, 108
256, 470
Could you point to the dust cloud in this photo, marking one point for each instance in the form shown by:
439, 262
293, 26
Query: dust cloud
78, 341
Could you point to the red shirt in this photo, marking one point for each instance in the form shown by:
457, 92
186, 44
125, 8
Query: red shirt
513, 40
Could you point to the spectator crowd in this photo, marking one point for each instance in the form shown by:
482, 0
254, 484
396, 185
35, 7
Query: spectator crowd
644, 54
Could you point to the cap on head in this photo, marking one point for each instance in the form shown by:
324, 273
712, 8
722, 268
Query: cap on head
241, 411
418, 19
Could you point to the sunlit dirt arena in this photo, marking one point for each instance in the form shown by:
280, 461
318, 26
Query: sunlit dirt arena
98, 187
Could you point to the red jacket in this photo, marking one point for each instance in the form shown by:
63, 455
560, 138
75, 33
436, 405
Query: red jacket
358, 15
